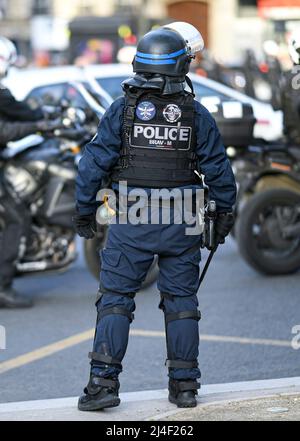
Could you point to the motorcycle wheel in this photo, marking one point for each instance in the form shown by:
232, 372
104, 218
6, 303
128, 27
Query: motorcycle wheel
259, 232
92, 256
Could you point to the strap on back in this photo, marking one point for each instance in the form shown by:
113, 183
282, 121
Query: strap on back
131, 100
190, 84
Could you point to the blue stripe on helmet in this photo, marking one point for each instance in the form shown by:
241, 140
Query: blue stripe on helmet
161, 57
157, 62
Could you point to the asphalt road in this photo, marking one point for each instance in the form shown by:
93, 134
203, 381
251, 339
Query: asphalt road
246, 327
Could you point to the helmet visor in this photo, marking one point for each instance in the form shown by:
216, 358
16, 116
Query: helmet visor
190, 34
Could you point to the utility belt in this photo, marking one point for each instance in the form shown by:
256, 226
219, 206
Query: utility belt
151, 180
147, 202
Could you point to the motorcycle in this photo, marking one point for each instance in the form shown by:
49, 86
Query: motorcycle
268, 207
41, 172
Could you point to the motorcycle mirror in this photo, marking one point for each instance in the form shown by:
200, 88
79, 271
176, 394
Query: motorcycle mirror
75, 115
81, 116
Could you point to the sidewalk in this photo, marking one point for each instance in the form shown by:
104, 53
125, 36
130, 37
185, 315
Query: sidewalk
255, 400
274, 408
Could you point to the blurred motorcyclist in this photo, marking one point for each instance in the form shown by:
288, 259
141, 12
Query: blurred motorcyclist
274, 68
289, 97
17, 120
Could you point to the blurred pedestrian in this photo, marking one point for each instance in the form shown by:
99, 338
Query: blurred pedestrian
288, 99
17, 120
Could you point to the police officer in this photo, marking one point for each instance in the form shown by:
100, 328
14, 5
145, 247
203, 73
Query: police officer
288, 99
155, 137
17, 120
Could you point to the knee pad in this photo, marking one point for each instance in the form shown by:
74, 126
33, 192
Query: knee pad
115, 305
178, 308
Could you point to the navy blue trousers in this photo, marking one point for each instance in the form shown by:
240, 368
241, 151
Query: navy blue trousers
126, 260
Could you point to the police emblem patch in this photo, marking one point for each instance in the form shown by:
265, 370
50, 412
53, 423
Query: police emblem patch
172, 113
146, 111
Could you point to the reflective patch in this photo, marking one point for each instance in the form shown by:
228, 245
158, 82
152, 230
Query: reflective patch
146, 111
161, 137
172, 113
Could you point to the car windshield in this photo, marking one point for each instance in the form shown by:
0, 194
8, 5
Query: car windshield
112, 85
54, 93
114, 88
203, 91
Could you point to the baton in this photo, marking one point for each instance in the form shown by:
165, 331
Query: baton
207, 265
209, 238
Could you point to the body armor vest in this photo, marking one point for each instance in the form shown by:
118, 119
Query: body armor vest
158, 149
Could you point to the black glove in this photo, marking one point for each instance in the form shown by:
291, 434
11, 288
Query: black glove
49, 126
224, 224
85, 225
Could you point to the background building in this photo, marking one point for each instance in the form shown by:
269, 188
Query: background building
239, 24
228, 26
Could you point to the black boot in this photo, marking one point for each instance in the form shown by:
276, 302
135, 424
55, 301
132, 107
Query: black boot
183, 393
10, 299
101, 393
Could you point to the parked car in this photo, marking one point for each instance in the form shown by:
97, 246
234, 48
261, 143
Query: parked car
269, 123
68, 83
103, 82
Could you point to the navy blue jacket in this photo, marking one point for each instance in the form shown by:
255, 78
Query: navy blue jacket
103, 153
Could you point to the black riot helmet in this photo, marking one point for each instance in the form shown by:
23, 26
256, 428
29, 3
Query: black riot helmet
163, 59
162, 51
168, 50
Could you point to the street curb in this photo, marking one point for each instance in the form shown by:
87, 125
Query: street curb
214, 389
216, 393
61, 403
